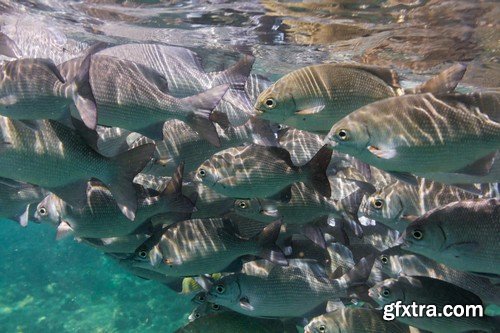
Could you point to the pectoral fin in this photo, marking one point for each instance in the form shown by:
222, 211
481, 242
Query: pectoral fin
313, 110
244, 303
464, 248
481, 167
385, 153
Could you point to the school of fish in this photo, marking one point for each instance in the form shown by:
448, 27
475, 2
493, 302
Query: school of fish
307, 203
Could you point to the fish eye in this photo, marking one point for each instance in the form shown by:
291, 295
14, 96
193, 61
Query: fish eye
242, 204
270, 103
342, 135
202, 172
201, 298
417, 234
220, 289
197, 315
384, 259
42, 211
386, 292
215, 306
322, 328
377, 203
143, 254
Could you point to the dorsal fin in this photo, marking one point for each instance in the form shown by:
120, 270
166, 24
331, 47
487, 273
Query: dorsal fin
8, 47
444, 82
389, 76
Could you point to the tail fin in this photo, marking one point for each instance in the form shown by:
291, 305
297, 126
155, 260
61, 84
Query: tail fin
360, 273
174, 199
126, 166
201, 119
266, 240
236, 76
8, 47
83, 97
262, 132
444, 82
317, 171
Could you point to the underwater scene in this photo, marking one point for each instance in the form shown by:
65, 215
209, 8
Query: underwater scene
264, 166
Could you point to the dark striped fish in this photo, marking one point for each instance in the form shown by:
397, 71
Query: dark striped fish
425, 290
354, 320
396, 262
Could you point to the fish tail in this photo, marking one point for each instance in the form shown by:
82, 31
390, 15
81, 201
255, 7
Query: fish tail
266, 240
444, 82
83, 96
8, 47
175, 200
202, 119
237, 75
125, 167
317, 167
360, 273
262, 132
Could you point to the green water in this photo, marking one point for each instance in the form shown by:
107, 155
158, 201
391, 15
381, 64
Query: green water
62, 286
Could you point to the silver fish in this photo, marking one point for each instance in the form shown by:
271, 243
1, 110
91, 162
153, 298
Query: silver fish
205, 309
277, 291
110, 85
195, 247
423, 134
101, 217
181, 143
395, 262
314, 98
400, 203
354, 320
462, 235
259, 172
425, 290
298, 205
231, 322
16, 199
61, 162
121, 244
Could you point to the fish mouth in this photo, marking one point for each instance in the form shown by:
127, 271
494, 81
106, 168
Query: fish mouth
258, 111
372, 293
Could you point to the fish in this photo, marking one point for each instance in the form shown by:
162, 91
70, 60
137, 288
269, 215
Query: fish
354, 320
101, 217
181, 143
32, 89
268, 290
121, 244
202, 246
315, 97
259, 172
401, 203
8, 47
231, 322
396, 262
110, 89
16, 198
425, 290
423, 134
300, 205
173, 283
61, 162
461, 235
205, 309
185, 75
182, 67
